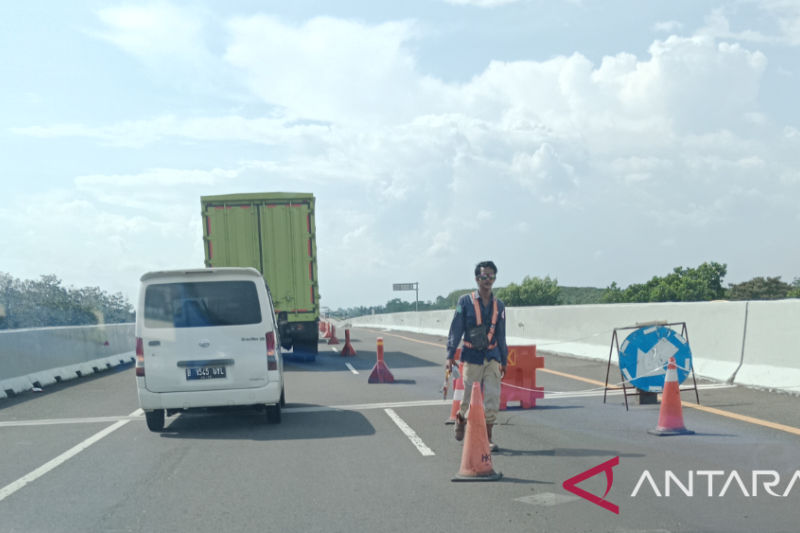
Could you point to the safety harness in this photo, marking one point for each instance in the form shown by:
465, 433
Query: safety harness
479, 318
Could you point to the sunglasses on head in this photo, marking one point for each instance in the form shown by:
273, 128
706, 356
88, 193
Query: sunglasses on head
484, 277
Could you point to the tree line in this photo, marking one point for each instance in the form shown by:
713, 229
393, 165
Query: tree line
47, 303
704, 283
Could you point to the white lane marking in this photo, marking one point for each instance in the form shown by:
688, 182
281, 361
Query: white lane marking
420, 403
353, 370
334, 349
546, 498
10, 489
365, 406
415, 440
55, 421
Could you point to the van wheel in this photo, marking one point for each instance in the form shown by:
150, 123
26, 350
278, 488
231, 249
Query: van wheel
283, 398
274, 414
155, 420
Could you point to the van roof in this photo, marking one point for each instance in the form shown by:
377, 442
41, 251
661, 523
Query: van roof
248, 271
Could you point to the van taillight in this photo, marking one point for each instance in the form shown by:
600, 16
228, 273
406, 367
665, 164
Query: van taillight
139, 357
272, 361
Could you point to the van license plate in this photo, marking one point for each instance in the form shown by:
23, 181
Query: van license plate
208, 372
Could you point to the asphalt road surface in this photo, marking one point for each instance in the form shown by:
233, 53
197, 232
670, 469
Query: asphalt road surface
79, 457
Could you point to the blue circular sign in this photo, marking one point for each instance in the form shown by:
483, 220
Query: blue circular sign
644, 355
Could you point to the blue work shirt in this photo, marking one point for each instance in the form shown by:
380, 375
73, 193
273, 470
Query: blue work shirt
465, 318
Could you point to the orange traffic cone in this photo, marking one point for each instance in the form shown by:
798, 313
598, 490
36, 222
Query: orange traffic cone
326, 334
458, 394
380, 372
333, 339
476, 459
347, 349
670, 418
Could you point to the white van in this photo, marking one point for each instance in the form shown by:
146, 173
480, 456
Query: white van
207, 338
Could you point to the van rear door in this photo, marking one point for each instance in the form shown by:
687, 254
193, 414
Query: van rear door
205, 335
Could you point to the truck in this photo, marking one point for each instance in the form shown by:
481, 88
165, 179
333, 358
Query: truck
274, 233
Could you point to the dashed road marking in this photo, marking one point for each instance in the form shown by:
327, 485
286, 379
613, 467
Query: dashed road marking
412, 436
546, 498
10, 489
334, 350
353, 370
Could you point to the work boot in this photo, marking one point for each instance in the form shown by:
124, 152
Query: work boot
492, 446
461, 427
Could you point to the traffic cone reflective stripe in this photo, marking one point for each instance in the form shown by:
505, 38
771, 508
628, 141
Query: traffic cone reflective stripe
670, 417
476, 458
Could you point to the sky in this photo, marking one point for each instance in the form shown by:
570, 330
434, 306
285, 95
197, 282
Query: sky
591, 141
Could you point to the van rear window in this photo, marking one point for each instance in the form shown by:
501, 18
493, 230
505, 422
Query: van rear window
201, 304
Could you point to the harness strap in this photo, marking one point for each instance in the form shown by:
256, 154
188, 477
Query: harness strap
479, 319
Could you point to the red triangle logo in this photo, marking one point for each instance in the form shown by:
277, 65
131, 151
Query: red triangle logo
606, 467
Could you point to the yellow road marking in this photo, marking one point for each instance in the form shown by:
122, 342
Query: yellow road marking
587, 380
743, 418
712, 410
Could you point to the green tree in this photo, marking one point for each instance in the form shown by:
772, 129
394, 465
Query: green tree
46, 303
579, 295
532, 291
795, 291
760, 289
703, 283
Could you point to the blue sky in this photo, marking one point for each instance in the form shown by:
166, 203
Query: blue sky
592, 141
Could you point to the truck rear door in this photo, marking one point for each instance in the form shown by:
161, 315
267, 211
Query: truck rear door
287, 245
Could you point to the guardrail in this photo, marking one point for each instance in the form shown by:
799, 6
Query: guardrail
756, 343
43, 356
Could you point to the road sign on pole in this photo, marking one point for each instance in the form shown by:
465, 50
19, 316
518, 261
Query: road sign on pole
408, 287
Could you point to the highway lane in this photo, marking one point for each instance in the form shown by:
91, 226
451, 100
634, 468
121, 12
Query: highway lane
355, 470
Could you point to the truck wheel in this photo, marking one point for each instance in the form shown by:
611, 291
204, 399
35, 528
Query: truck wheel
155, 420
274, 414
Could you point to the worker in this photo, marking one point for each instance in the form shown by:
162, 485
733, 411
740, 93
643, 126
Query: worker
480, 319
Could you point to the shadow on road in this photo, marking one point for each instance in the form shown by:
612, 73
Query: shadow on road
252, 425
564, 452
363, 361
524, 481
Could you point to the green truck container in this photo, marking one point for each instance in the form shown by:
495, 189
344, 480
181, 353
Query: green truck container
275, 234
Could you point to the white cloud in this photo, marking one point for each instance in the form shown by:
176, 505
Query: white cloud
784, 13
160, 35
395, 157
481, 3
667, 26
543, 172
331, 69
137, 133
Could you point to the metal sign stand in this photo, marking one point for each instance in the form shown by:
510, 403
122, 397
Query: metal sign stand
409, 287
615, 344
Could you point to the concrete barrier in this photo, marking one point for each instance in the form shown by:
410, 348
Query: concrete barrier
772, 346
48, 355
768, 357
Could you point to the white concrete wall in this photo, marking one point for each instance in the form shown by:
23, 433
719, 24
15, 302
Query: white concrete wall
42, 355
715, 331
